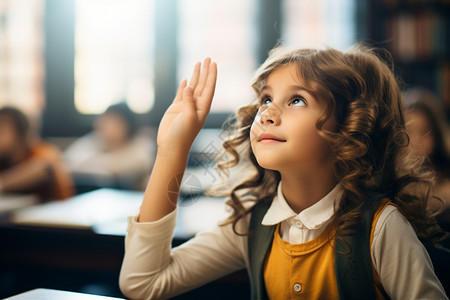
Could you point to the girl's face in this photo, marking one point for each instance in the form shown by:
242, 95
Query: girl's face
9, 139
283, 135
112, 129
420, 133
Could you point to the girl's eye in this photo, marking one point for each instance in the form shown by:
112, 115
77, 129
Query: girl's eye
266, 101
298, 101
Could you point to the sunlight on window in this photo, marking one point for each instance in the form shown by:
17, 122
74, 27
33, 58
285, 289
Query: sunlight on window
21, 55
114, 55
225, 31
319, 23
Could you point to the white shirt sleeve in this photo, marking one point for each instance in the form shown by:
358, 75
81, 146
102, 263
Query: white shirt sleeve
152, 270
401, 261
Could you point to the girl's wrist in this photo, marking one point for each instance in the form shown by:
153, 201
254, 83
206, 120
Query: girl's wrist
171, 155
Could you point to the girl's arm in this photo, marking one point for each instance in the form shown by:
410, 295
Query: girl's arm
178, 128
401, 261
151, 269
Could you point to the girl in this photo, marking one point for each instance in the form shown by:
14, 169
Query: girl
325, 140
429, 133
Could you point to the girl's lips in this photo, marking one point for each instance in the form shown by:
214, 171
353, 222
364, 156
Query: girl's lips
269, 141
267, 137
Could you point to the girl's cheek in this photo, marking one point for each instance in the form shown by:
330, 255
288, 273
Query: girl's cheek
257, 119
258, 115
253, 132
428, 144
256, 127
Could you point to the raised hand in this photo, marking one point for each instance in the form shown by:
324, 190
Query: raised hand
178, 128
186, 115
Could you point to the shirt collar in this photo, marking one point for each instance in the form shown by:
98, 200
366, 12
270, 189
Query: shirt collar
312, 217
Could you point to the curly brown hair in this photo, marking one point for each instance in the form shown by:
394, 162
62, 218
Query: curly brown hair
364, 97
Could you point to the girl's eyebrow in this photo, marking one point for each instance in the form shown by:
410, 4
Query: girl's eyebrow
264, 88
297, 87
291, 87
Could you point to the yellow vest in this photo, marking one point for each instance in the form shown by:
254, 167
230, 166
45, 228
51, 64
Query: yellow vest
307, 270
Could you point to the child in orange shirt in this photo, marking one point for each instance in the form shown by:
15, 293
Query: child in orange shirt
31, 167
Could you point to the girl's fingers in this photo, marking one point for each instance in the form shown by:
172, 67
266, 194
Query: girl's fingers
197, 95
179, 95
203, 76
205, 100
195, 75
188, 100
210, 84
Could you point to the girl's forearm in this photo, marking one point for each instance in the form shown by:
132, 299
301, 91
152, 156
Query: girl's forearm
161, 195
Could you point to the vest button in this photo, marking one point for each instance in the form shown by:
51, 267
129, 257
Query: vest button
297, 287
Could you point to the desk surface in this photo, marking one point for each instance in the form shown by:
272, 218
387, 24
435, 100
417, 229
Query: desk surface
83, 211
105, 212
10, 202
48, 294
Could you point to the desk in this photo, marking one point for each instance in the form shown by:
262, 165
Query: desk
105, 212
10, 202
68, 245
48, 294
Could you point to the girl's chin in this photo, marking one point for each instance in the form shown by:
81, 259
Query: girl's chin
268, 165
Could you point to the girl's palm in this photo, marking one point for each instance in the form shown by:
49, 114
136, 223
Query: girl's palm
186, 115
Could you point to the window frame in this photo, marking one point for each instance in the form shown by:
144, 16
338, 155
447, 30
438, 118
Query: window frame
61, 118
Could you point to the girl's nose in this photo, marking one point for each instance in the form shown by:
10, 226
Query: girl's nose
269, 115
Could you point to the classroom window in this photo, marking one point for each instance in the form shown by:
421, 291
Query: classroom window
114, 54
319, 23
21, 55
224, 30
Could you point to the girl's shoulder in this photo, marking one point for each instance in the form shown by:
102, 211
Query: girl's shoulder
390, 224
387, 213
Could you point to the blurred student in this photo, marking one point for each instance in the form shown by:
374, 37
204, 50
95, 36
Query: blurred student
30, 166
115, 153
429, 138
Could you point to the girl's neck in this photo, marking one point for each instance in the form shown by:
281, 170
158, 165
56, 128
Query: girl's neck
302, 192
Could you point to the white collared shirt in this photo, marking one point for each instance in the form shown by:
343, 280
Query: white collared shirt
309, 223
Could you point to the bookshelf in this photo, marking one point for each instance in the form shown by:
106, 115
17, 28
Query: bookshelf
417, 34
